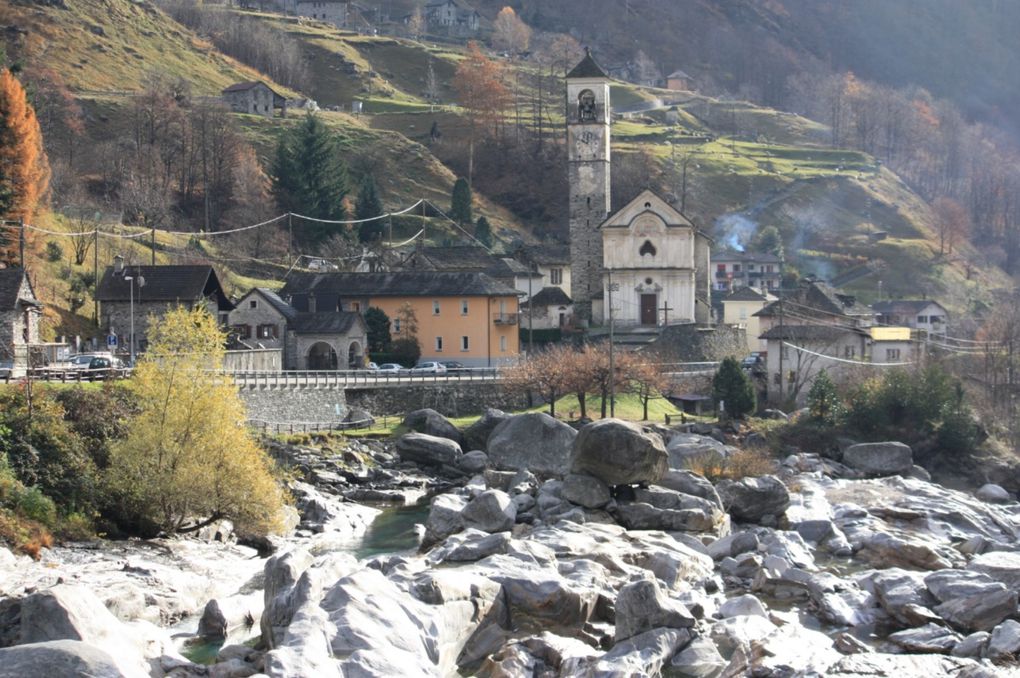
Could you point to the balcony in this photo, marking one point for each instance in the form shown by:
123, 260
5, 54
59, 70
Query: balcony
504, 318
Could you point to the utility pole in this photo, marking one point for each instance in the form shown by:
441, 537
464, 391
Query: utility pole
290, 238
95, 275
782, 349
610, 288
152, 247
21, 241
531, 311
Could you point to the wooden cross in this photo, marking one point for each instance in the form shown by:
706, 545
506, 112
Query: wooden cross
665, 312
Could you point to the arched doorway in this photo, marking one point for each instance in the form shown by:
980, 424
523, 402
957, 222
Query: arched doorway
355, 359
321, 356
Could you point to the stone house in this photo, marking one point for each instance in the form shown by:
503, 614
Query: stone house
659, 260
733, 270
551, 261
473, 259
678, 81
739, 310
467, 317
255, 98
926, 315
327, 340
452, 15
155, 290
19, 317
330, 11
548, 309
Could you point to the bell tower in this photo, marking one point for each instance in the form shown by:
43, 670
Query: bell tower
588, 118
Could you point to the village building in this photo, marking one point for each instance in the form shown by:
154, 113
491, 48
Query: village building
678, 81
468, 316
658, 262
473, 259
551, 261
891, 345
19, 318
739, 309
254, 98
733, 270
328, 340
549, 309
453, 15
330, 11
929, 317
146, 293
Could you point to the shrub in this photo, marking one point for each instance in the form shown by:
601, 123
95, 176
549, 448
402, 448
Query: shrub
405, 351
742, 463
54, 252
823, 401
733, 388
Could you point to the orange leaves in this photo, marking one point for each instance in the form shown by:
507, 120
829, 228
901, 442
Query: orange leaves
481, 88
24, 170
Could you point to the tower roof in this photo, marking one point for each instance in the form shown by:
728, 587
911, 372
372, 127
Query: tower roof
587, 68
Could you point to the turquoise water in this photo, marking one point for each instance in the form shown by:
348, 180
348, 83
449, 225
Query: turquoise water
393, 531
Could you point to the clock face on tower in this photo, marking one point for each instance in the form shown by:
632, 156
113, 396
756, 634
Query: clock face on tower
587, 144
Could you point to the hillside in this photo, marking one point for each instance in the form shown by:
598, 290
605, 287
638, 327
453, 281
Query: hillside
747, 166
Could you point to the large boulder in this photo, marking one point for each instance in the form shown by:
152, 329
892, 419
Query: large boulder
58, 658
642, 606
490, 511
879, 459
535, 442
476, 436
619, 453
434, 424
1005, 640
444, 518
585, 491
683, 448
751, 499
993, 494
422, 448
1000, 566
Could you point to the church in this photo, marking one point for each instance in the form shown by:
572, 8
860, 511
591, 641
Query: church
650, 259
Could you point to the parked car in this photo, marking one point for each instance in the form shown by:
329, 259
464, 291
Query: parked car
429, 367
83, 361
6, 367
452, 365
752, 361
390, 368
371, 366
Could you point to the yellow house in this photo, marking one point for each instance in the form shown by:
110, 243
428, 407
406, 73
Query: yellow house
739, 309
467, 317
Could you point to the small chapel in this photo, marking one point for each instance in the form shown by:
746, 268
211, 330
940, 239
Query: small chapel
648, 258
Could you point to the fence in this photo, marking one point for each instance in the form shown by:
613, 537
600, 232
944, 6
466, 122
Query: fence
338, 378
308, 426
64, 376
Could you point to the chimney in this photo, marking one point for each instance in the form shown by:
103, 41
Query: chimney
311, 302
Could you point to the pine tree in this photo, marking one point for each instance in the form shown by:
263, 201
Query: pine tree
460, 202
733, 387
823, 400
483, 231
310, 177
24, 169
369, 206
768, 240
378, 324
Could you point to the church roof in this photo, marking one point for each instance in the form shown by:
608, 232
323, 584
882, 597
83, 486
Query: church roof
678, 74
587, 68
397, 284
10, 287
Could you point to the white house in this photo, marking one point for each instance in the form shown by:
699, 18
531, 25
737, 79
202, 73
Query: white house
926, 315
658, 263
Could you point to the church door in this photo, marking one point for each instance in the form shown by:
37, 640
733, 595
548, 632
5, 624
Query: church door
648, 309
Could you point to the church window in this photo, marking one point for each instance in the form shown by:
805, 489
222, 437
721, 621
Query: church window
648, 205
556, 276
586, 106
648, 281
589, 201
647, 248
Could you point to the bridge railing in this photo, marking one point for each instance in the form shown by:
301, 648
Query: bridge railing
332, 378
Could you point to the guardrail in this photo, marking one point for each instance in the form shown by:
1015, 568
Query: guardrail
66, 376
326, 379
308, 426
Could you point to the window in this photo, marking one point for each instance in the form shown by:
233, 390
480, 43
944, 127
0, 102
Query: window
463, 307
892, 354
721, 268
556, 276
647, 248
750, 267
356, 306
396, 325
777, 378
253, 303
464, 343
743, 313
736, 268
435, 308
922, 319
243, 331
786, 353
849, 352
502, 344
439, 344
267, 332
792, 376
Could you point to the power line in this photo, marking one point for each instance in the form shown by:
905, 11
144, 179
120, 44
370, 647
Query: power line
844, 360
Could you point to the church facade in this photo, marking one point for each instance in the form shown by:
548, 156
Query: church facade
655, 258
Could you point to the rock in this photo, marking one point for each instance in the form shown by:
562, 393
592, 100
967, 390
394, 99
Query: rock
585, 490
879, 459
476, 436
491, 511
970, 600
657, 508
885, 550
1005, 640
432, 423
691, 483
733, 545
641, 655
686, 447
751, 499
993, 494
746, 604
362, 417
58, 658
444, 518
642, 606
739, 632
848, 644
700, 659
223, 615
972, 646
1000, 566
281, 575
428, 450
469, 546
535, 442
619, 453
927, 639
473, 462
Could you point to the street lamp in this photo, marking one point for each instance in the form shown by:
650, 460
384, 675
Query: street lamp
118, 269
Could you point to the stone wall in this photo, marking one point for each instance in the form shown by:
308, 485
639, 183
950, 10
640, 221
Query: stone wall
295, 405
256, 360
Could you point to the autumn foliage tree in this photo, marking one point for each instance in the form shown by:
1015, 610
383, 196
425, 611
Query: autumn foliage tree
482, 92
24, 170
509, 32
188, 459
951, 222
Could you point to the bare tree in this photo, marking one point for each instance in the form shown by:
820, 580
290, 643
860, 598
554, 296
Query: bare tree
509, 33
